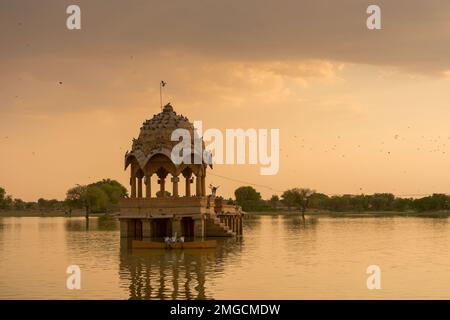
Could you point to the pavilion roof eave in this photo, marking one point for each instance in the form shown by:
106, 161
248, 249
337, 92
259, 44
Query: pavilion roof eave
142, 159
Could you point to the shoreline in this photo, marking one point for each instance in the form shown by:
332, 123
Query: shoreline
372, 214
49, 214
332, 214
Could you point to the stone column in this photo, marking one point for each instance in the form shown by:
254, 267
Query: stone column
162, 186
123, 228
188, 186
139, 187
203, 185
133, 186
148, 186
187, 173
127, 228
198, 184
175, 180
146, 228
199, 228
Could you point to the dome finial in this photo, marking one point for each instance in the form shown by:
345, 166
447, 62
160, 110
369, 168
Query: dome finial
168, 107
161, 85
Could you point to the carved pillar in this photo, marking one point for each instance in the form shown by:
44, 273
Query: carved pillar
123, 228
198, 184
204, 184
139, 187
162, 187
187, 173
133, 186
199, 228
162, 174
148, 186
175, 181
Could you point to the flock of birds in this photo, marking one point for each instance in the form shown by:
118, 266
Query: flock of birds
438, 145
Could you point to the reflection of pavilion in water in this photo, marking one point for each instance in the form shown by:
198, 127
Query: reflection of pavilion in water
172, 274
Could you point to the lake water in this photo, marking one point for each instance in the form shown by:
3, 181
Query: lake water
278, 257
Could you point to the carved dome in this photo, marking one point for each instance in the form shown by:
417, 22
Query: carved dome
154, 136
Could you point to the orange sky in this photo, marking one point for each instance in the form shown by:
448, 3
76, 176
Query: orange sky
358, 110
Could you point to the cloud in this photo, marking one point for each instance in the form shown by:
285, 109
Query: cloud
74, 84
415, 34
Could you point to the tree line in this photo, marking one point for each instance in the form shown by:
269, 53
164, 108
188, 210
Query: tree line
304, 198
104, 195
97, 197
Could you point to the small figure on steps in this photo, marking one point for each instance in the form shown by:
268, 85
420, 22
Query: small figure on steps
213, 189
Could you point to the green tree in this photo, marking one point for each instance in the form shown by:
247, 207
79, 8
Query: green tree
52, 204
434, 202
274, 201
19, 204
76, 197
318, 200
91, 198
249, 199
97, 199
402, 204
2, 194
97, 196
299, 197
246, 193
112, 188
288, 198
382, 201
6, 201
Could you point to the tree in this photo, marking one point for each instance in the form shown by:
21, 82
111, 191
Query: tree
245, 194
6, 201
299, 197
91, 198
288, 198
249, 199
304, 194
19, 204
432, 203
318, 200
2, 194
52, 204
76, 197
402, 204
382, 201
96, 197
274, 201
112, 188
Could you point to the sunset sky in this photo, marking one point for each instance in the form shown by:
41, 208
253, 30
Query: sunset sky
359, 111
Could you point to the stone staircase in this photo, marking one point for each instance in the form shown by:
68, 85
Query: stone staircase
215, 228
